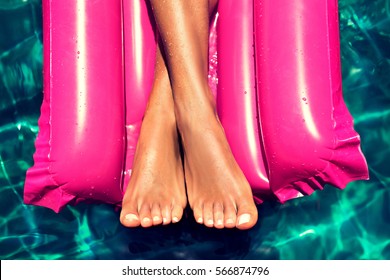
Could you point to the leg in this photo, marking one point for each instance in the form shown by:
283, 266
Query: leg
217, 190
156, 192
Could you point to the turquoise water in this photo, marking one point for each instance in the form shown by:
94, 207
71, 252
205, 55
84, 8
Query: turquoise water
331, 224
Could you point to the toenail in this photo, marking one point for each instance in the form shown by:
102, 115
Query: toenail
219, 222
131, 217
175, 219
146, 220
165, 220
244, 219
156, 219
200, 220
210, 222
229, 221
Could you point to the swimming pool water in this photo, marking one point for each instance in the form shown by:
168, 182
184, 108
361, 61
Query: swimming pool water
332, 224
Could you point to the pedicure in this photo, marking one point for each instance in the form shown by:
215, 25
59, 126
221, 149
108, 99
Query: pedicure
243, 219
175, 219
131, 217
229, 221
200, 220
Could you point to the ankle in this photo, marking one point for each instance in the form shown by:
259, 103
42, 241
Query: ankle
193, 117
195, 111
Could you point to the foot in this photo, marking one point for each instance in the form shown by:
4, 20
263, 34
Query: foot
156, 193
218, 192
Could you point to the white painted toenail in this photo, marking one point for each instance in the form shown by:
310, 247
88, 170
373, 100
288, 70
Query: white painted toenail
200, 220
131, 217
210, 222
229, 221
219, 222
156, 219
165, 220
244, 218
175, 219
146, 220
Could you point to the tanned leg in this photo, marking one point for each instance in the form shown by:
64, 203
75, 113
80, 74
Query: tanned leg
218, 192
156, 192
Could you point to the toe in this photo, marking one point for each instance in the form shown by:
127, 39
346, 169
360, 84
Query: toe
246, 216
145, 216
129, 217
218, 215
230, 217
208, 214
177, 213
156, 214
166, 213
198, 213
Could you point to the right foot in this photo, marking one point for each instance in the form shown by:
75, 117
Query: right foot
156, 193
218, 192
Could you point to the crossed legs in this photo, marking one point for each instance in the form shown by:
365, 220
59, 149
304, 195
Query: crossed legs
181, 101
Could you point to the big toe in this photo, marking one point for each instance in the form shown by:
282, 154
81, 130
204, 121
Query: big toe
246, 216
129, 218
